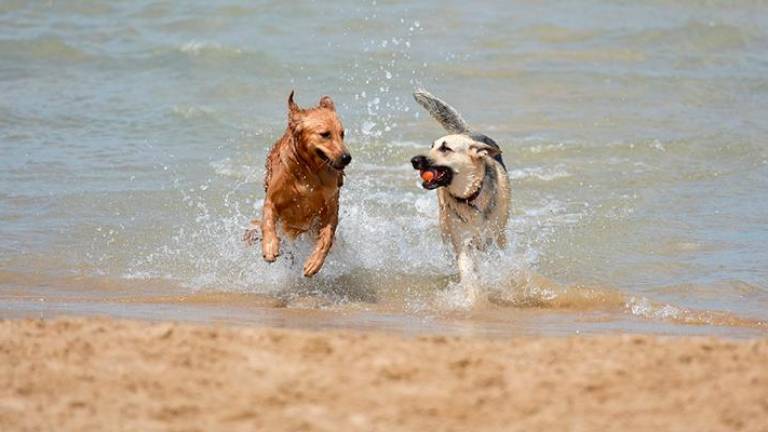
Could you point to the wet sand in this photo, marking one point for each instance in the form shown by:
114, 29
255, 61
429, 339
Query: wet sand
106, 374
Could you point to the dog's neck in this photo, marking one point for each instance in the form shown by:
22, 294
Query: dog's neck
471, 197
297, 160
472, 190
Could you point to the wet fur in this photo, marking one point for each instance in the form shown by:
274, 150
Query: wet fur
303, 178
477, 224
469, 225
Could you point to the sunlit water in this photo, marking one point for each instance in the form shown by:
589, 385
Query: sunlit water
133, 137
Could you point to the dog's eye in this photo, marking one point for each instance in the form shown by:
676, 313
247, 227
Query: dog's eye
326, 135
444, 148
342, 134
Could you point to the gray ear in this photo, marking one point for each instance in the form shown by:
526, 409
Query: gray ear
493, 149
445, 114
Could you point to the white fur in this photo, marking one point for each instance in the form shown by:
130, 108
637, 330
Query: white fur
471, 227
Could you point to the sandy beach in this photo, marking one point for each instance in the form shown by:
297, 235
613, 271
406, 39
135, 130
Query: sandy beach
95, 374
631, 294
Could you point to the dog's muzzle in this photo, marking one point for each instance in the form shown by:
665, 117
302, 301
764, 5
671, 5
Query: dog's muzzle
345, 159
419, 162
432, 176
337, 164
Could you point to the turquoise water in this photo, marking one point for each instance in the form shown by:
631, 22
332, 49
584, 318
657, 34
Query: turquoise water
133, 136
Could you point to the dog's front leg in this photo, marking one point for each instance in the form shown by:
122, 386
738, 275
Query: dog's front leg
469, 276
466, 261
329, 220
270, 243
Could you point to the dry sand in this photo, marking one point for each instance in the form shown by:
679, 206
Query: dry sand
109, 375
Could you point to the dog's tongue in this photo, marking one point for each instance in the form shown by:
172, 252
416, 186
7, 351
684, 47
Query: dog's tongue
428, 175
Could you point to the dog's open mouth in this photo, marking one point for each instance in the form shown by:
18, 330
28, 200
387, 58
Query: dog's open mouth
435, 176
326, 160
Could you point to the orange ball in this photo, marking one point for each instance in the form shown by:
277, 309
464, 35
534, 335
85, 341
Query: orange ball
427, 176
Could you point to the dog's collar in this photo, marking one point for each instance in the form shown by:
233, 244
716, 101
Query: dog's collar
471, 197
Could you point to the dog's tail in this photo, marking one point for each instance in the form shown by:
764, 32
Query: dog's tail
445, 114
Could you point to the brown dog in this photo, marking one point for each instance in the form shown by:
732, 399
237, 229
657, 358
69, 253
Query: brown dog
305, 171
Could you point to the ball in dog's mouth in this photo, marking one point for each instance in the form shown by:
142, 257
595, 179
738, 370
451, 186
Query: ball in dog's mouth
434, 177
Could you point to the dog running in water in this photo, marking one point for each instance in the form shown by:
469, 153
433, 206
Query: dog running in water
304, 175
472, 185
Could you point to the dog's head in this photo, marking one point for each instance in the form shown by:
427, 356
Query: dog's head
455, 162
319, 134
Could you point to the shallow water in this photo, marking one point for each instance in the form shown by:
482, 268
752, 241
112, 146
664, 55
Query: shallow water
133, 136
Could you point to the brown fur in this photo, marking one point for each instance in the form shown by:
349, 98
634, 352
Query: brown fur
302, 186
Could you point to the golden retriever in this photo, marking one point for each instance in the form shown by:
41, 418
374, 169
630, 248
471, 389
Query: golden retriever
304, 175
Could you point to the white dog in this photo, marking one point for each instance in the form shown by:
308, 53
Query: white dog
473, 187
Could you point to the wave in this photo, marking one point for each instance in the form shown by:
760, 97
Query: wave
41, 49
539, 173
525, 289
694, 36
400, 293
245, 173
204, 48
645, 308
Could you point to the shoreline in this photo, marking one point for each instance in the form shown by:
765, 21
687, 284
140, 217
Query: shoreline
106, 373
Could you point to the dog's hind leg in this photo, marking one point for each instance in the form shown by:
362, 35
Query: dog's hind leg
251, 234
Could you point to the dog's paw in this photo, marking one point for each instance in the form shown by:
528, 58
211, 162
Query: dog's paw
270, 249
313, 265
251, 236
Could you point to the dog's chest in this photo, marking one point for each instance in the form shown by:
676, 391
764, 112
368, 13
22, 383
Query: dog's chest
464, 220
303, 205
312, 192
307, 199
300, 215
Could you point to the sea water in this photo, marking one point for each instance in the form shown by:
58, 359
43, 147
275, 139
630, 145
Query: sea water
133, 136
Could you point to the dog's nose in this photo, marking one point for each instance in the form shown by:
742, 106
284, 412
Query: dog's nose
346, 158
419, 162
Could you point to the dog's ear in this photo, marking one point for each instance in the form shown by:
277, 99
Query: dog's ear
481, 149
327, 103
294, 112
292, 107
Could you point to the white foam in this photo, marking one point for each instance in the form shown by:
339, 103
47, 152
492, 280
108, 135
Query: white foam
642, 307
196, 48
229, 168
540, 173
192, 111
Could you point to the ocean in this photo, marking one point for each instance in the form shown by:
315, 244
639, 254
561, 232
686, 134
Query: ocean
133, 136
